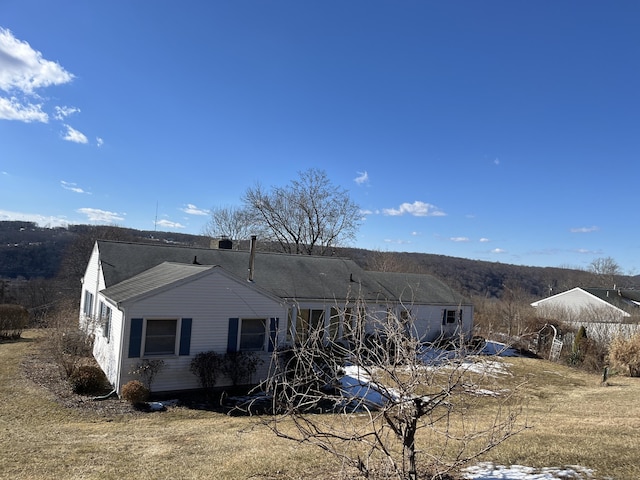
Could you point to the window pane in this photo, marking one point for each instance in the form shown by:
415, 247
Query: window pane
160, 338
252, 334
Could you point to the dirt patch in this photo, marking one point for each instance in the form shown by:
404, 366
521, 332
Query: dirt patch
40, 367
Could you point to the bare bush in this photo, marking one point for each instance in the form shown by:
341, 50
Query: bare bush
239, 367
13, 320
366, 399
206, 366
147, 370
625, 353
69, 345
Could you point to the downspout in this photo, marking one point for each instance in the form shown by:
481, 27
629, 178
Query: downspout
118, 385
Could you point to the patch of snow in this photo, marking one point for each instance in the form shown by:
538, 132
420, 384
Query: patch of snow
356, 383
489, 471
498, 349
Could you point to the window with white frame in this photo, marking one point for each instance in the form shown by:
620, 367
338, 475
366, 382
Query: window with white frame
105, 319
451, 316
160, 337
252, 334
88, 303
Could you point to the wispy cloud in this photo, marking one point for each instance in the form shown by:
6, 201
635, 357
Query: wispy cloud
417, 209
397, 241
169, 224
24, 71
584, 229
13, 109
99, 141
484, 240
73, 187
101, 216
459, 239
73, 135
362, 178
191, 209
63, 112
498, 251
41, 220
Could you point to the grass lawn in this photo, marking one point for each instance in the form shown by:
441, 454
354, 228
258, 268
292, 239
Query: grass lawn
573, 419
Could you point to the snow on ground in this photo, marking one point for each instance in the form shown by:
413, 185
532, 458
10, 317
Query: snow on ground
489, 471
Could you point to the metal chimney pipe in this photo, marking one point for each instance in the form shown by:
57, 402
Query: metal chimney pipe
252, 257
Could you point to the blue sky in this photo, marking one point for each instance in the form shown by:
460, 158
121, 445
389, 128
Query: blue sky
493, 130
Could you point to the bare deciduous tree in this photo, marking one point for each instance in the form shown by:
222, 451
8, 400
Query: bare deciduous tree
607, 270
235, 223
376, 403
310, 215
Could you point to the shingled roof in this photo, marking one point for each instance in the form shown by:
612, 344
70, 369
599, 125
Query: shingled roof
131, 268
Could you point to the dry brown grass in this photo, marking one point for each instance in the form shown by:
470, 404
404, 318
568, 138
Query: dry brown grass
573, 420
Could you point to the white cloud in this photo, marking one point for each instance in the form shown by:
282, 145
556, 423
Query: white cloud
99, 141
73, 187
417, 209
101, 216
74, 135
191, 209
64, 112
498, 250
459, 239
584, 229
41, 220
24, 69
23, 72
397, 241
169, 224
362, 178
12, 109
484, 240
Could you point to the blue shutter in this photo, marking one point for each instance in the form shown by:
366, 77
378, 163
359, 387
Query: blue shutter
232, 338
135, 338
185, 336
273, 332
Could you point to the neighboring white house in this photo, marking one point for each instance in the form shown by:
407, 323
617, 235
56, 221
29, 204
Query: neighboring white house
604, 312
153, 301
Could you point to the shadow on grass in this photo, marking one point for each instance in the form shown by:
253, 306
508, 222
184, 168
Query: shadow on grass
4, 340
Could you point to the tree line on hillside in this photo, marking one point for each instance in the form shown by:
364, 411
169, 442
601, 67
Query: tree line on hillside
309, 215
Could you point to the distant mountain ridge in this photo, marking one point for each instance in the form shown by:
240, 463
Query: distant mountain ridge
28, 251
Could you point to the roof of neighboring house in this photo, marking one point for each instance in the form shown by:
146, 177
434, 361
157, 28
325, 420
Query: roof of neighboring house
622, 299
303, 277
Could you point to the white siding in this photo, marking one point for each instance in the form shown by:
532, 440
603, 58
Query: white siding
107, 350
209, 301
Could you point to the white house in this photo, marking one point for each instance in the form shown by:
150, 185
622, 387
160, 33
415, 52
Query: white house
604, 312
153, 301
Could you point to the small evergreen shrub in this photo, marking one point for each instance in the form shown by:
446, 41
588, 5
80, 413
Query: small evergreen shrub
87, 379
135, 392
206, 366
